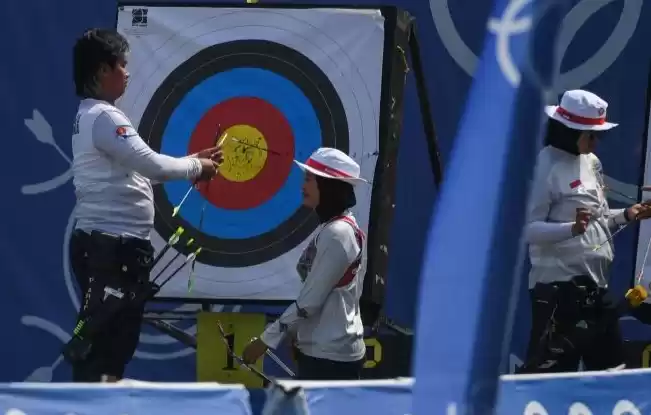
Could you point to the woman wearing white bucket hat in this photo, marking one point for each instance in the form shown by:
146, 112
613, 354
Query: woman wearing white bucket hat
325, 320
568, 231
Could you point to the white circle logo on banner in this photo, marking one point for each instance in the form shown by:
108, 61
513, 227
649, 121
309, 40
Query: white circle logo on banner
622, 407
509, 25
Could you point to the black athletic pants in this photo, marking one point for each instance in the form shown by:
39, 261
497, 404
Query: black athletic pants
312, 368
100, 261
573, 321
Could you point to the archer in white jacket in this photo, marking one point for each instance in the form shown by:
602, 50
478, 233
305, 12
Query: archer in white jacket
569, 234
325, 320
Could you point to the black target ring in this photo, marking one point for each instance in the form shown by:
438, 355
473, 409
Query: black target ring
279, 59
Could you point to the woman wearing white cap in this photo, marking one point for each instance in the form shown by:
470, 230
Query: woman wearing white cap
568, 232
325, 320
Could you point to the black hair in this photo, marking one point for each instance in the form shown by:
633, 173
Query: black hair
335, 197
97, 47
562, 137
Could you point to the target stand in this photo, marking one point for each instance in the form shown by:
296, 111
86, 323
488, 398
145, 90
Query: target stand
280, 81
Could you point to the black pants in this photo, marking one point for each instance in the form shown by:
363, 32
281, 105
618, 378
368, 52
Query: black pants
573, 321
103, 264
312, 368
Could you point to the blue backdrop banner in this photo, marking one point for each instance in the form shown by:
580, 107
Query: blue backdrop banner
461, 373
604, 48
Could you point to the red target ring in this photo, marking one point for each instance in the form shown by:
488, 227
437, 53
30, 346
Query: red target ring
256, 163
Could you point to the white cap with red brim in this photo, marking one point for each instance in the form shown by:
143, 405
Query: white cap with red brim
581, 110
332, 163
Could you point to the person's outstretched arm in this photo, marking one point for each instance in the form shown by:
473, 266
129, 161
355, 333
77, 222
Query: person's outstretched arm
114, 135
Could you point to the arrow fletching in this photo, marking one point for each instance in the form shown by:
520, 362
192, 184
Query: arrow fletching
176, 236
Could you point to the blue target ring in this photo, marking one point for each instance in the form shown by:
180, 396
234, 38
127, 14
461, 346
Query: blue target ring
287, 82
243, 82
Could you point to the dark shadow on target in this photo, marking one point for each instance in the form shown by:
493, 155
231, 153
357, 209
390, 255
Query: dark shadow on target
278, 59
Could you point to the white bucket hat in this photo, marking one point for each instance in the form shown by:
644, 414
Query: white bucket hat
581, 110
332, 164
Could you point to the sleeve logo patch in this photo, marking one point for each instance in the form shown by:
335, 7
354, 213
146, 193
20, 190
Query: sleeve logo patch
575, 184
125, 131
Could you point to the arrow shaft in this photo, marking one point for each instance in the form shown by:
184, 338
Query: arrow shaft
610, 238
280, 363
180, 267
185, 197
166, 266
267, 150
646, 257
239, 360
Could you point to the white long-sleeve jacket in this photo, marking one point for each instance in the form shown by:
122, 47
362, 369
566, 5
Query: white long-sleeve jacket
112, 168
564, 182
326, 316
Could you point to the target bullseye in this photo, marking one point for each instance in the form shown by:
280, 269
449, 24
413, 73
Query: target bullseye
244, 155
250, 176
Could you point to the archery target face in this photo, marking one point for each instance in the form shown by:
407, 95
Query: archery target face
280, 83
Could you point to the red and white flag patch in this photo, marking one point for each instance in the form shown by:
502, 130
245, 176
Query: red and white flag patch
576, 183
125, 131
